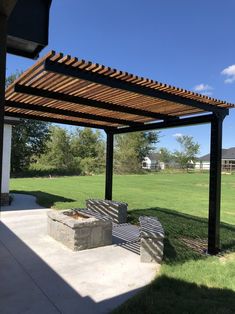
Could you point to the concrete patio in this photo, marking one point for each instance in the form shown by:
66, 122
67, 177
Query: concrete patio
40, 275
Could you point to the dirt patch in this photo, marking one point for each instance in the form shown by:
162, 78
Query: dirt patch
230, 213
227, 258
198, 245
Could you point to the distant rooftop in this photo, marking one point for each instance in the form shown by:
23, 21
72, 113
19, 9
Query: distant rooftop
227, 153
153, 156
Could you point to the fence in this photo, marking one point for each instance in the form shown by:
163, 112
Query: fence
197, 167
228, 168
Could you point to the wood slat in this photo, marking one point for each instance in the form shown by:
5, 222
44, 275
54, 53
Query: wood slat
37, 77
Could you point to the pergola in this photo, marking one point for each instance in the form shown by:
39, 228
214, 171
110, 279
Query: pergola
64, 89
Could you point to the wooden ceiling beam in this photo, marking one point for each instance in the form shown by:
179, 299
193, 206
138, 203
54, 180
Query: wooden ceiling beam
90, 102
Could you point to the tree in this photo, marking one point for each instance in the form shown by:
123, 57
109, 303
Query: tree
188, 152
28, 143
86, 143
131, 148
87, 148
12, 77
81, 152
28, 139
165, 155
58, 153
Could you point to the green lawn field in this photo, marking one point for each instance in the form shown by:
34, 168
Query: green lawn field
190, 281
186, 193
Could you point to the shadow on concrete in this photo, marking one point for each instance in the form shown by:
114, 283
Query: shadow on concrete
126, 236
44, 199
29, 285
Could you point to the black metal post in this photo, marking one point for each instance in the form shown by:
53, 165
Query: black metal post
109, 166
215, 185
168, 124
3, 39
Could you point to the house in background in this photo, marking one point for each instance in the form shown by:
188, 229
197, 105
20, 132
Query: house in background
228, 160
152, 162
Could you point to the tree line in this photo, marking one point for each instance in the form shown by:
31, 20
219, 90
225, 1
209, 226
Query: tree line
40, 148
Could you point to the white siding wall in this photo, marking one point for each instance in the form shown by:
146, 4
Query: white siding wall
146, 163
6, 162
202, 165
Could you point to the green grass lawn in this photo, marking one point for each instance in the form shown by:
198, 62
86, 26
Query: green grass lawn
186, 193
189, 282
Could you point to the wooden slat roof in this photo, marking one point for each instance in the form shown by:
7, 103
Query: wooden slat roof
64, 89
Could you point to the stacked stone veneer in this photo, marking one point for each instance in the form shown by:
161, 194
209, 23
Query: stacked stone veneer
116, 211
5, 199
151, 240
79, 234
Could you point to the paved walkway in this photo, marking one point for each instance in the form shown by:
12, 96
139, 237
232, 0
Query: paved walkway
40, 275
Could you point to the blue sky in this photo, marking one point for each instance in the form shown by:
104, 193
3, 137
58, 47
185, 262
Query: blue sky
189, 44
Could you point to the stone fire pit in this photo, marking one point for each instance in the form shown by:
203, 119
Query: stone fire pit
79, 231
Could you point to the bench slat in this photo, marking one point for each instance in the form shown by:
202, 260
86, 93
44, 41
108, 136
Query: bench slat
150, 227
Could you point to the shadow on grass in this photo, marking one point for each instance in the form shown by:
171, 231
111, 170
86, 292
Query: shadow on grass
170, 295
176, 295
185, 234
45, 199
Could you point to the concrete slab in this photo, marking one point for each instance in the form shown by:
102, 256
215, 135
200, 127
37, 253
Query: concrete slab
21, 202
17, 286
40, 275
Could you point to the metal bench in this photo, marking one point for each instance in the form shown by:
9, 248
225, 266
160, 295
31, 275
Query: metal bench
115, 211
151, 240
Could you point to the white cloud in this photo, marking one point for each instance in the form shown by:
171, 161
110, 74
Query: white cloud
229, 72
178, 135
204, 89
207, 93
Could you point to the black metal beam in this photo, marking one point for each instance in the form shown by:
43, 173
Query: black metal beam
3, 39
215, 185
6, 7
56, 120
102, 79
89, 102
167, 124
109, 166
27, 31
69, 113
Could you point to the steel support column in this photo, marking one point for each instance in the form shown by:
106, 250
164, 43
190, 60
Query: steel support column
215, 185
3, 37
109, 166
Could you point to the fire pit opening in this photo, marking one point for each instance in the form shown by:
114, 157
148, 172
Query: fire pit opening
77, 215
